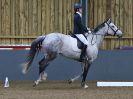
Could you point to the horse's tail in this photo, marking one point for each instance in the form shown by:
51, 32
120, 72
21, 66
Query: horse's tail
35, 48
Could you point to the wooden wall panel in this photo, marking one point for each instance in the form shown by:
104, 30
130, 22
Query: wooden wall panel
23, 20
121, 13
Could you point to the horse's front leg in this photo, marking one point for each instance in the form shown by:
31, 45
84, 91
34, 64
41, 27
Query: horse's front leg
85, 72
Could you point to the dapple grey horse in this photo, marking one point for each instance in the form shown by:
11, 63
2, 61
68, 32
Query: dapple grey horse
53, 44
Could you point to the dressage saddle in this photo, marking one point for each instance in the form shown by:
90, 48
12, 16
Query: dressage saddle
80, 44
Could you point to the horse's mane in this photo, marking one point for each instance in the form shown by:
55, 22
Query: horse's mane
98, 27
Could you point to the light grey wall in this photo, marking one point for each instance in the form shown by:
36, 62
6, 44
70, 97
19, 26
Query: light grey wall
110, 65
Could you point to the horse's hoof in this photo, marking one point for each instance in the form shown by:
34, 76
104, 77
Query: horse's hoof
34, 85
70, 81
85, 86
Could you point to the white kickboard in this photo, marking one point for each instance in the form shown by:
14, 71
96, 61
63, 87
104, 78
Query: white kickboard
114, 84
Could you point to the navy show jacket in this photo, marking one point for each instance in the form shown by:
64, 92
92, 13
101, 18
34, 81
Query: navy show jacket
79, 28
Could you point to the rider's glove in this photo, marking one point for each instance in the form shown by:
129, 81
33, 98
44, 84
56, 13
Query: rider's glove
89, 30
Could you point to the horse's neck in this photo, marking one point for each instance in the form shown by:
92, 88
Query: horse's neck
98, 37
99, 40
101, 37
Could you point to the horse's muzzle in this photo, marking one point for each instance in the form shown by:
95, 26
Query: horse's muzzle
119, 36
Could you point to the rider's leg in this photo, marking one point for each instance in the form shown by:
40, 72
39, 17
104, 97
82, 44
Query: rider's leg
83, 40
83, 53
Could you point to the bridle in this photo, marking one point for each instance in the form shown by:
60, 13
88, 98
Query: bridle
115, 31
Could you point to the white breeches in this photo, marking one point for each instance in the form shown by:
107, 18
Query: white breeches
82, 38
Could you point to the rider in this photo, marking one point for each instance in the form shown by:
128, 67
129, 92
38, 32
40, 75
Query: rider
79, 29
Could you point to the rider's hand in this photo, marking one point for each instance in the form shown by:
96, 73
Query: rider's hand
89, 30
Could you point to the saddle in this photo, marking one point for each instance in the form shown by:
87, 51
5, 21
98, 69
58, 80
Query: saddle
80, 44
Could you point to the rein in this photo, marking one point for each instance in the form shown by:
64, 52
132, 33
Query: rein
115, 32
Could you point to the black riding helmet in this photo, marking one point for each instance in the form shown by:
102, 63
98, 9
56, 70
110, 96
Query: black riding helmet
77, 6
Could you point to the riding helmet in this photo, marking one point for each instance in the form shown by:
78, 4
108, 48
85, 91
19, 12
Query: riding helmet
77, 6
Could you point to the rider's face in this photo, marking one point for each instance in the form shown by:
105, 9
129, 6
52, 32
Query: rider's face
80, 10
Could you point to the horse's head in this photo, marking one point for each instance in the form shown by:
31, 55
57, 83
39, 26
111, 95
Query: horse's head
112, 29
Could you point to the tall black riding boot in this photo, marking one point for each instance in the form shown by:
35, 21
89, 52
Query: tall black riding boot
83, 53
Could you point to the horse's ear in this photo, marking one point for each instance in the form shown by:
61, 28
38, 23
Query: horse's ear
108, 21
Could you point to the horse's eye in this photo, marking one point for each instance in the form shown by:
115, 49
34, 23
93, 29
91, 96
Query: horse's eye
113, 26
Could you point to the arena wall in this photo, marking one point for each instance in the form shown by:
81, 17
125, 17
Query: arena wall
110, 65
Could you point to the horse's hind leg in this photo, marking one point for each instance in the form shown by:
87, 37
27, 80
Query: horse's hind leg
42, 75
76, 77
42, 66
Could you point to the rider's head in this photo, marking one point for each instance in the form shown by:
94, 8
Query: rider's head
77, 7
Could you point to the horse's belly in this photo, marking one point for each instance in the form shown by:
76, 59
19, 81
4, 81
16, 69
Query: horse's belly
70, 52
70, 55
70, 44
69, 48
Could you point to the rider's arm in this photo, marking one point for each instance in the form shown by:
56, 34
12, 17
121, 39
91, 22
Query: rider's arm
79, 22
